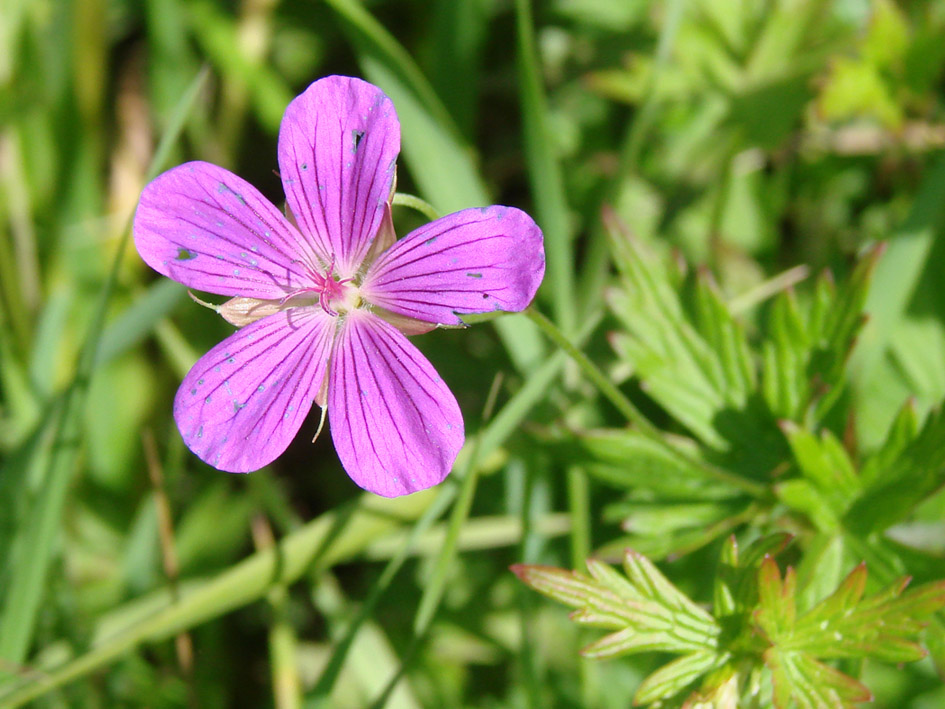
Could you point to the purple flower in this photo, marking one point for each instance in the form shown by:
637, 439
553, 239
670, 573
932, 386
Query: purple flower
325, 298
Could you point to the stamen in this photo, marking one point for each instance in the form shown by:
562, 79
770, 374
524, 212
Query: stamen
325, 286
324, 303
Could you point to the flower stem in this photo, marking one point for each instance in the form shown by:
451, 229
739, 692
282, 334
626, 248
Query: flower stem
591, 371
634, 415
402, 199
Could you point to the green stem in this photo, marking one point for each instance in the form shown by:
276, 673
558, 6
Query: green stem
402, 199
579, 504
591, 371
766, 289
633, 414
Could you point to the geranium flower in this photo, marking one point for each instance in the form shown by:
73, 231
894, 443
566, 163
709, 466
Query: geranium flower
326, 296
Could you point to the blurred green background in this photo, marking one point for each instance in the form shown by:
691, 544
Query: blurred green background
751, 136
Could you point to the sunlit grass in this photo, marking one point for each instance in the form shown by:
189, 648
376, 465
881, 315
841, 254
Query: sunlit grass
735, 143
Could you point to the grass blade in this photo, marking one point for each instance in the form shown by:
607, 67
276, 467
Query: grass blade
544, 172
33, 551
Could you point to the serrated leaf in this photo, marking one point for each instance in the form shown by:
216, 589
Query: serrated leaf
630, 640
608, 576
846, 624
900, 483
626, 458
783, 360
695, 363
823, 461
804, 356
776, 612
902, 432
811, 684
738, 574
658, 518
569, 587
645, 576
843, 322
646, 610
672, 678
659, 531
725, 336
675, 543
677, 363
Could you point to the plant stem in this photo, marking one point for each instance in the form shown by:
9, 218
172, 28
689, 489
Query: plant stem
402, 199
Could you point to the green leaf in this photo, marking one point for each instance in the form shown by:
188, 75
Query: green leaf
825, 463
672, 678
777, 611
336, 535
902, 432
736, 587
218, 35
821, 567
843, 625
679, 542
36, 544
725, 335
643, 574
140, 318
782, 359
897, 275
646, 610
628, 459
811, 684
673, 529
898, 483
691, 357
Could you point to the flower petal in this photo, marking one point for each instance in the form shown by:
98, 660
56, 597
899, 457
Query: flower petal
207, 228
473, 261
396, 426
243, 402
338, 143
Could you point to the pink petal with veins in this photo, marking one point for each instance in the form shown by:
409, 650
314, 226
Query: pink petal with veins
338, 143
396, 426
242, 403
205, 227
473, 261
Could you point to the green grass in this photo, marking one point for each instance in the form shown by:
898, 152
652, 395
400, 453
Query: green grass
669, 388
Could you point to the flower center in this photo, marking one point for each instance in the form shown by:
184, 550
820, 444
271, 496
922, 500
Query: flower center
335, 296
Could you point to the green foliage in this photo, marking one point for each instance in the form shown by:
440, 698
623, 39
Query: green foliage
755, 624
672, 408
762, 406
